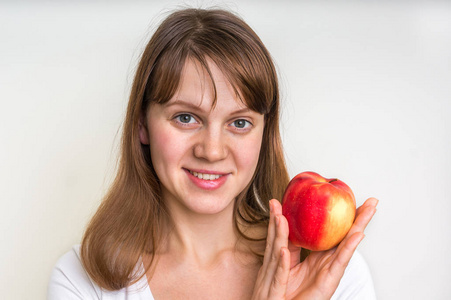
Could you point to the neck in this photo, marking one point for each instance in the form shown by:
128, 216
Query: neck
201, 237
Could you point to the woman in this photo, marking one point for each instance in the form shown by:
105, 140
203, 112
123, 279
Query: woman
188, 213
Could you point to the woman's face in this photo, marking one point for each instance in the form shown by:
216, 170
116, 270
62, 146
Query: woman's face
204, 155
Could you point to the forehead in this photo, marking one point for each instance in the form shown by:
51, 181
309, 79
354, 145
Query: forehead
203, 86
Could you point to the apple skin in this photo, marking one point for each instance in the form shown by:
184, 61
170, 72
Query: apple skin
319, 211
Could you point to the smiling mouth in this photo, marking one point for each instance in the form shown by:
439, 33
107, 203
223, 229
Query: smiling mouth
205, 176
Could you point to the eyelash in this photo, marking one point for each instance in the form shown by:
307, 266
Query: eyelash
177, 118
247, 125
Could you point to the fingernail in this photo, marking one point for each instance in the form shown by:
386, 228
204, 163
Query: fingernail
277, 220
374, 201
271, 207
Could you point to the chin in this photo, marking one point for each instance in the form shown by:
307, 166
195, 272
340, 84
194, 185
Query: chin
210, 206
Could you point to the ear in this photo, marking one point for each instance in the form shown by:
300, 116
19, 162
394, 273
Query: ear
143, 132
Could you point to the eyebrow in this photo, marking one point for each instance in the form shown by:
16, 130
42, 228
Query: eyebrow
197, 107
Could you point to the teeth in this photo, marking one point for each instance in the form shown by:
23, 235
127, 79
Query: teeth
205, 176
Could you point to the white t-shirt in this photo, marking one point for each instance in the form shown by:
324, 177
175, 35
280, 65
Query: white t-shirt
69, 281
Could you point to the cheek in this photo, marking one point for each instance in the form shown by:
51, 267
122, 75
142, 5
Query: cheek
247, 153
166, 148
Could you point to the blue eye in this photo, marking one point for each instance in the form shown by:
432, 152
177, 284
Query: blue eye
185, 118
241, 123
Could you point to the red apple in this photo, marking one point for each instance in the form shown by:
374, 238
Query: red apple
319, 211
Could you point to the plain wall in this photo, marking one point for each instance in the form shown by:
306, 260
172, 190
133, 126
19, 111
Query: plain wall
366, 88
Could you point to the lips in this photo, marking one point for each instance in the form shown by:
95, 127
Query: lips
205, 176
207, 180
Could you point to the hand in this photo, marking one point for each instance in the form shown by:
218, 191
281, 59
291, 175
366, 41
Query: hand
282, 276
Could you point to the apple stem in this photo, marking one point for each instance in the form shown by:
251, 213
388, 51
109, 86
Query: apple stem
332, 180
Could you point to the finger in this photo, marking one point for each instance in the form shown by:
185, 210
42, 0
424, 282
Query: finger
280, 241
281, 226
279, 284
359, 225
277, 238
270, 236
363, 217
272, 256
277, 207
265, 276
295, 251
369, 202
344, 255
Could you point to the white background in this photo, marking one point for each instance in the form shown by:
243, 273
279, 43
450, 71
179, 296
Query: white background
366, 89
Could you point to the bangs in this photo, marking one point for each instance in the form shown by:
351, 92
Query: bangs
232, 46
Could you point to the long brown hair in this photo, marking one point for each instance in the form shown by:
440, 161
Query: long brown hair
132, 217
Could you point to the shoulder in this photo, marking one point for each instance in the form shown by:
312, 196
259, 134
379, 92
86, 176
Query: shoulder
356, 282
69, 280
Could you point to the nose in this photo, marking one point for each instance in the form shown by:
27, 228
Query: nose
211, 146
